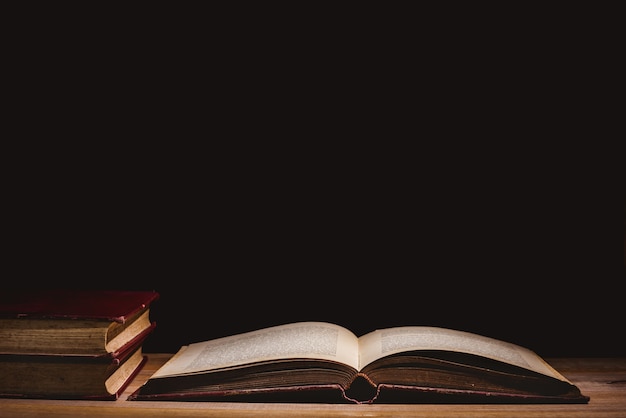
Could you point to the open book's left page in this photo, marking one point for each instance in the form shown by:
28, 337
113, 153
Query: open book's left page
301, 340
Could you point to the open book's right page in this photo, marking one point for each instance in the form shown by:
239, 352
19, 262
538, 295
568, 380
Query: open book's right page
384, 342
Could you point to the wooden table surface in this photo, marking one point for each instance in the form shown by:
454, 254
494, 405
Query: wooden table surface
603, 379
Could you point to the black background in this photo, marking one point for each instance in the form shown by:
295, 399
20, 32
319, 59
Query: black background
448, 184
239, 245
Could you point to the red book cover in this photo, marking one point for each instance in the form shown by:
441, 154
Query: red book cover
106, 305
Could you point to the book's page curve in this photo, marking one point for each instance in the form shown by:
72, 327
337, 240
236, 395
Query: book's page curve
384, 342
314, 340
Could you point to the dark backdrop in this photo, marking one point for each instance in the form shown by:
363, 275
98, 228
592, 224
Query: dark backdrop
250, 193
528, 261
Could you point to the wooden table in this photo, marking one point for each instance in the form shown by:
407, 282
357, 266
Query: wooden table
603, 379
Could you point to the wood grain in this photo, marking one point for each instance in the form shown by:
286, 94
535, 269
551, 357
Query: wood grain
603, 379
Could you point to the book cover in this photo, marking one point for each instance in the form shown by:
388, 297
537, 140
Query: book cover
105, 305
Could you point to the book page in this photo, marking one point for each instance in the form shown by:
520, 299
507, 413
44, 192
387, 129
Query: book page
380, 343
310, 340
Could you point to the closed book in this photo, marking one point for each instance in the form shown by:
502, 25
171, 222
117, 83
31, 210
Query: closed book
96, 377
73, 322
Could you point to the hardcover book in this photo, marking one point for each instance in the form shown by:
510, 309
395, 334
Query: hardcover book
73, 322
324, 362
102, 377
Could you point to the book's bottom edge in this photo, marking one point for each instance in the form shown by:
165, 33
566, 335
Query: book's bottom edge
333, 394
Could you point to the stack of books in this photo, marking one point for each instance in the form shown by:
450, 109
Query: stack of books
72, 344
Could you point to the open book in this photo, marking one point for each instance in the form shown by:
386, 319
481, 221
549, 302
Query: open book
324, 362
